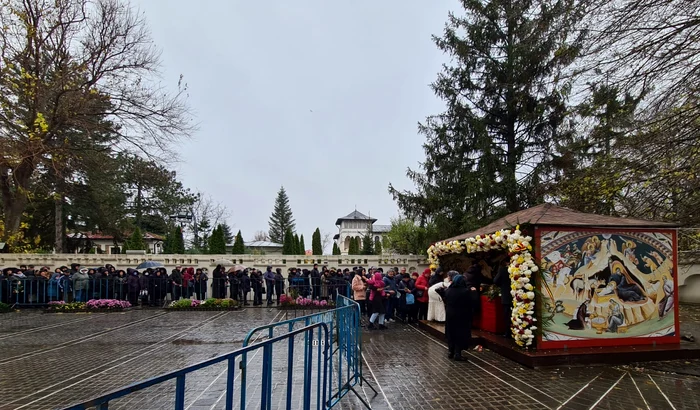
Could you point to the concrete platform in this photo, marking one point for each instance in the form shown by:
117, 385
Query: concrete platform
535, 358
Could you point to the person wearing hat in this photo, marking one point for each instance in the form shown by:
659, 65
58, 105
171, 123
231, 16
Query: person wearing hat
81, 281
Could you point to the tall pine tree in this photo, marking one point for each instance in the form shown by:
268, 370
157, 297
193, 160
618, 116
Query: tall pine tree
302, 246
281, 218
297, 245
367, 245
178, 242
228, 234
506, 101
217, 241
377, 246
336, 249
316, 247
135, 241
238, 245
288, 243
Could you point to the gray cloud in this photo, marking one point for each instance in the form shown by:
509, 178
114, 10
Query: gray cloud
322, 97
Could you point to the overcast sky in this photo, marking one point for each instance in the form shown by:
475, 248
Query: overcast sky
321, 97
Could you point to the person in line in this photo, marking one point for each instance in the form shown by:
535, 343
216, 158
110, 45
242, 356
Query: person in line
376, 299
269, 277
279, 284
359, 288
458, 317
421, 294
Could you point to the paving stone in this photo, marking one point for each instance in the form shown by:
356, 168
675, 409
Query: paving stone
52, 360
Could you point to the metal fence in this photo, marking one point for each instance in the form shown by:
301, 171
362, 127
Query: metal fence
156, 290
331, 365
180, 376
345, 361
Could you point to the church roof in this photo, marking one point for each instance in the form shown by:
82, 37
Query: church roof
552, 215
381, 228
355, 216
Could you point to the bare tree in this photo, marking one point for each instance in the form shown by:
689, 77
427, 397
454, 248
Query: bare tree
77, 76
326, 241
261, 236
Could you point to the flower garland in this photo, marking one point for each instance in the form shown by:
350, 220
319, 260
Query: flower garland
520, 271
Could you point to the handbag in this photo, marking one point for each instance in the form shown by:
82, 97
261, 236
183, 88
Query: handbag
410, 299
419, 293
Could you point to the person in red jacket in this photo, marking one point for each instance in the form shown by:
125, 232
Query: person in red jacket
421, 294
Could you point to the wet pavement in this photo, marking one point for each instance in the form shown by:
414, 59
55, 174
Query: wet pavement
52, 360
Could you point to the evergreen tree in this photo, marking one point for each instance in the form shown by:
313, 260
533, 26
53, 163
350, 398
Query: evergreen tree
297, 245
377, 246
352, 247
281, 218
169, 242
135, 241
302, 246
488, 152
228, 233
316, 247
178, 242
238, 245
217, 241
336, 249
367, 245
288, 243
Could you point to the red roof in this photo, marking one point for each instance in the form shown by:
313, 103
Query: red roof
101, 236
548, 214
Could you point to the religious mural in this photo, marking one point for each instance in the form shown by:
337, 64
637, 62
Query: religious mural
607, 285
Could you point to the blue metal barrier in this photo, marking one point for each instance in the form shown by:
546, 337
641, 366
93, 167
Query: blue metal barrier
346, 350
102, 402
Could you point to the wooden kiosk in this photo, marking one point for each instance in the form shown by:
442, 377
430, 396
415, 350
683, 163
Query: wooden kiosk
586, 287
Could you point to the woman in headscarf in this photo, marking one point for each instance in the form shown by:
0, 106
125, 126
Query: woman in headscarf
376, 299
458, 317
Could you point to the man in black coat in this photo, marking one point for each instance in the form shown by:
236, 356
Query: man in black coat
315, 282
176, 281
458, 317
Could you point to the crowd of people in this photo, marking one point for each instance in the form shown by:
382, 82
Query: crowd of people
384, 297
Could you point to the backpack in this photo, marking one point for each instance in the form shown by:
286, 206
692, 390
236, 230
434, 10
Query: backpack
410, 299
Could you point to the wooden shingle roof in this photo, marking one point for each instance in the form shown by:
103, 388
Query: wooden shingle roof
548, 214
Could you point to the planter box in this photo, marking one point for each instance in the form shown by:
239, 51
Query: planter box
85, 310
490, 318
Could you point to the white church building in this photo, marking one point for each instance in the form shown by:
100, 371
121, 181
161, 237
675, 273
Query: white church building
356, 225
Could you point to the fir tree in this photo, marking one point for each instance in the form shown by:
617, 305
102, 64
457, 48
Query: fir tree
228, 234
135, 241
302, 246
367, 245
353, 246
169, 242
297, 245
281, 218
377, 246
336, 249
178, 242
288, 245
316, 247
506, 104
238, 245
217, 242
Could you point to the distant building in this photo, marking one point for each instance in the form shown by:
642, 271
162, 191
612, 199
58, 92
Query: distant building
103, 243
260, 248
356, 225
